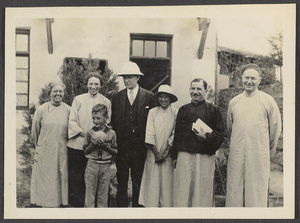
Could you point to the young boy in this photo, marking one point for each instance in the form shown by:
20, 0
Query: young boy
101, 146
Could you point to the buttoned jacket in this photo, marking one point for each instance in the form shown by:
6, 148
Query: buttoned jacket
145, 103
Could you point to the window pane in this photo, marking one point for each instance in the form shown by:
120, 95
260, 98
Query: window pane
22, 87
150, 48
21, 42
22, 62
22, 75
161, 49
22, 100
137, 48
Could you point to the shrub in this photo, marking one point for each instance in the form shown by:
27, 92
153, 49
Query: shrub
74, 77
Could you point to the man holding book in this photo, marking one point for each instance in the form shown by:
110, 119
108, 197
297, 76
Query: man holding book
199, 133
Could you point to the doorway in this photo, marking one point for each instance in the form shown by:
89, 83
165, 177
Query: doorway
152, 53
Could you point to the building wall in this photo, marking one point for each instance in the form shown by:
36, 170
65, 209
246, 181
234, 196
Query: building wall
223, 81
277, 72
110, 39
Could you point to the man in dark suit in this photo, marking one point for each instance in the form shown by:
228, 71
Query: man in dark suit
130, 108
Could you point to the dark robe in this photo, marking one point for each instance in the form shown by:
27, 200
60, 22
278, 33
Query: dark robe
186, 140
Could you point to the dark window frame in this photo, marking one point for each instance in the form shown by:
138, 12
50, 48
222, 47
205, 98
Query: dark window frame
152, 37
24, 31
168, 38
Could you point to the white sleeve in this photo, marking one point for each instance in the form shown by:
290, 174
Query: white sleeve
150, 132
36, 125
73, 127
109, 111
171, 138
229, 120
274, 125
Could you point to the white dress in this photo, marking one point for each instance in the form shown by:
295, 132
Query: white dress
49, 180
254, 126
157, 181
81, 117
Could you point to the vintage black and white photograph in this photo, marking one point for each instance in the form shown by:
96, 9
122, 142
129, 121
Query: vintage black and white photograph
150, 112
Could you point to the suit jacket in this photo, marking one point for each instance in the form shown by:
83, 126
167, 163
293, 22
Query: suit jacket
145, 103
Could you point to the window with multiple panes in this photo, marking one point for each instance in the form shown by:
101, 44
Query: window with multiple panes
22, 67
152, 53
150, 45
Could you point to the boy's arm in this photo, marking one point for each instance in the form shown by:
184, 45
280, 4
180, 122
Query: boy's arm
89, 148
90, 144
113, 150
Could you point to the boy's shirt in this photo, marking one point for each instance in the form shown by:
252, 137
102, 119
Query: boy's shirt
100, 155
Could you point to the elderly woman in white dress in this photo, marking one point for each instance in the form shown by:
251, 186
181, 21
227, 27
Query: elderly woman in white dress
157, 181
49, 180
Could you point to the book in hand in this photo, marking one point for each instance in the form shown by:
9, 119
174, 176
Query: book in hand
200, 127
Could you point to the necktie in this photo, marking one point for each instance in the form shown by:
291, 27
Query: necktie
131, 97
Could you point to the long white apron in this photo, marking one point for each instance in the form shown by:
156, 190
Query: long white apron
194, 180
252, 121
157, 181
49, 180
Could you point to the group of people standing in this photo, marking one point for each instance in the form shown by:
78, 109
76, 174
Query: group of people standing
170, 163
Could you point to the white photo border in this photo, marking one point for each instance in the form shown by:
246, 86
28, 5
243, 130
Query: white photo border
289, 48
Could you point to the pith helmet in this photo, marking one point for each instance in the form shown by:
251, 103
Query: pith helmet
130, 68
165, 89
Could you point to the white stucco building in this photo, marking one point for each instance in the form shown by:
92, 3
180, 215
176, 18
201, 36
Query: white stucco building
182, 48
